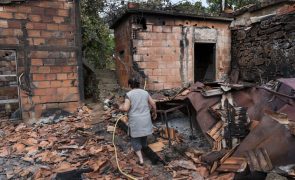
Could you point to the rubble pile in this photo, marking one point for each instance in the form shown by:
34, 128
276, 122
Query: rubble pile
45, 151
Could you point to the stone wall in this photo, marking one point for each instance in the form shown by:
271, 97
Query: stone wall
162, 48
46, 41
265, 50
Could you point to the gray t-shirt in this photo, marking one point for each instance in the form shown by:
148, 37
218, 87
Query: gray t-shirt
139, 116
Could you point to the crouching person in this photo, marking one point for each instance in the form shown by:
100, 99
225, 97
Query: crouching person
137, 104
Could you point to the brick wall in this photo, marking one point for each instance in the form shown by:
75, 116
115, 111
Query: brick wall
44, 35
164, 51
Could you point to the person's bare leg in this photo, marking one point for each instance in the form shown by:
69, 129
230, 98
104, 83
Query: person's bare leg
139, 154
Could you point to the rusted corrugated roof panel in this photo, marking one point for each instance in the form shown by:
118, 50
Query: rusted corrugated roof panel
269, 134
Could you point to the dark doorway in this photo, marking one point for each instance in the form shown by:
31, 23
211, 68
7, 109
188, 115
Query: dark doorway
204, 62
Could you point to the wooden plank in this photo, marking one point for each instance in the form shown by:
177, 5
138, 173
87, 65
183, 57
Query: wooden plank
157, 147
233, 164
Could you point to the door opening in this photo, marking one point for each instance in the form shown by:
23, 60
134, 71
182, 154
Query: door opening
9, 92
204, 62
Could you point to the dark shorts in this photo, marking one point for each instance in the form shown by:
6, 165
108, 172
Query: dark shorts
138, 143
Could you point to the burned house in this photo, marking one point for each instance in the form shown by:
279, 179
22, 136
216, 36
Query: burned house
170, 49
40, 57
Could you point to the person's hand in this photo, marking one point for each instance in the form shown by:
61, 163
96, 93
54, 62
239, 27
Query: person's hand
154, 115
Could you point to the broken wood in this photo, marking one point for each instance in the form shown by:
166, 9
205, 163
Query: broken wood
259, 160
157, 147
233, 164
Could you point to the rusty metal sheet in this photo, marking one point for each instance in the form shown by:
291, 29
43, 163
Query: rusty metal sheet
259, 160
288, 81
275, 138
270, 135
201, 105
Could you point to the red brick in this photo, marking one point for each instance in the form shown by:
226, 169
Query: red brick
46, 34
56, 84
69, 69
40, 26
42, 84
65, 28
57, 42
38, 77
72, 76
152, 65
50, 77
62, 91
44, 69
37, 62
47, 19
62, 76
69, 83
7, 32
38, 10
52, 105
162, 79
55, 69
3, 24
50, 4
36, 99
157, 72
9, 40
34, 69
24, 9
34, 33
20, 16
64, 13
70, 107
68, 90
159, 86
14, 24
50, 11
35, 18
47, 91
39, 54
58, 20
53, 27
38, 41
71, 97
5, 15
10, 9
68, 5
29, 26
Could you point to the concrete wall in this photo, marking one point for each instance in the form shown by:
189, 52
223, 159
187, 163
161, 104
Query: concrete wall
164, 51
45, 37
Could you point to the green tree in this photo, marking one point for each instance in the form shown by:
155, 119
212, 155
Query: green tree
188, 7
215, 5
98, 43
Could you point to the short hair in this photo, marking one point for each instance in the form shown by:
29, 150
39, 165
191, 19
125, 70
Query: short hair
134, 82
